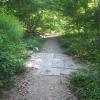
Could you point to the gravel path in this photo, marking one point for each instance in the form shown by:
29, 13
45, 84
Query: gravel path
46, 77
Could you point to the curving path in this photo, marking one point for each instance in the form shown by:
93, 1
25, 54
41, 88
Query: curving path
46, 77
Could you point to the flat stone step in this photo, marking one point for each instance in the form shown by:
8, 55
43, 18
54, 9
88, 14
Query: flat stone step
52, 64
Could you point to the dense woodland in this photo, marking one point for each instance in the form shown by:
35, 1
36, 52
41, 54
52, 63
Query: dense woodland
22, 22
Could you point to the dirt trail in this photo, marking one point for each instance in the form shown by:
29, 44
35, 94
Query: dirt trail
46, 77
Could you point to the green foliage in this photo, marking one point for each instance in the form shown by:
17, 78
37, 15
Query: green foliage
85, 81
87, 84
10, 27
51, 21
34, 42
12, 50
38, 15
80, 46
79, 18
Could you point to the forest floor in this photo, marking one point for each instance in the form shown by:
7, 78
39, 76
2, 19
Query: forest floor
46, 76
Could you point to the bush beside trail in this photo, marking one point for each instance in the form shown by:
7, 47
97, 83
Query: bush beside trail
85, 81
12, 50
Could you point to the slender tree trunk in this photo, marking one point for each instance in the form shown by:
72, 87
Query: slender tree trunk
77, 23
97, 27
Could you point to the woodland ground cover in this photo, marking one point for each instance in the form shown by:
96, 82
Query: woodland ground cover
85, 81
12, 49
33, 43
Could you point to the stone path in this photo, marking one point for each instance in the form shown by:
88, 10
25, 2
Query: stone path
46, 77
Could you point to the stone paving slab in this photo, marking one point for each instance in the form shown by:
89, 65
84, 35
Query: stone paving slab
52, 64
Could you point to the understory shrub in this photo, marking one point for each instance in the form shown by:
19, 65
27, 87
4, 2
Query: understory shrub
12, 51
86, 84
34, 42
86, 48
85, 81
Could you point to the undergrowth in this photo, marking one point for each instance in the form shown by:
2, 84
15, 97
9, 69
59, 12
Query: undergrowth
12, 50
85, 81
33, 43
